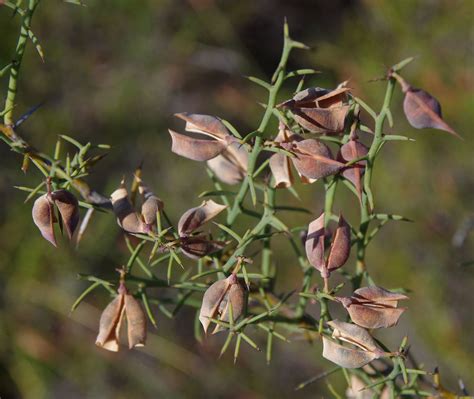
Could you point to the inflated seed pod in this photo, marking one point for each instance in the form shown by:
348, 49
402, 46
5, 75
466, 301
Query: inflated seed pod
127, 218
43, 217
68, 208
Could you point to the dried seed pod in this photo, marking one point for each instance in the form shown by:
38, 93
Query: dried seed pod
354, 335
319, 110
123, 305
200, 149
231, 166
357, 390
314, 245
136, 322
341, 246
68, 208
219, 297
194, 218
127, 218
313, 159
151, 204
374, 307
339, 251
43, 217
421, 109
348, 152
110, 323
346, 357
195, 247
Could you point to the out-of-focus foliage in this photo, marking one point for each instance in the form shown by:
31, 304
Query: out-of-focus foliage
116, 72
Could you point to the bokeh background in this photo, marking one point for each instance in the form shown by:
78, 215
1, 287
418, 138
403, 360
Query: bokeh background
116, 71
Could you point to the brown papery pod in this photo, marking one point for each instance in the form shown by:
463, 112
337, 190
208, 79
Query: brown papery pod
151, 204
422, 109
219, 297
357, 390
341, 246
354, 335
314, 245
127, 218
110, 323
319, 110
68, 208
136, 322
313, 159
194, 218
374, 307
195, 247
349, 358
43, 217
201, 149
348, 152
231, 166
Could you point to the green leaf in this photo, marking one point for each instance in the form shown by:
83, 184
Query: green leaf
86, 292
402, 64
216, 193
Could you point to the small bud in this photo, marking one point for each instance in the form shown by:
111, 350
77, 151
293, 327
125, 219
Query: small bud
217, 300
43, 217
319, 110
68, 208
374, 307
194, 218
127, 218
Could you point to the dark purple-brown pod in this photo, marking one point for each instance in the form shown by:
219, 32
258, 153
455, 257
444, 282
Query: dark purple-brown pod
319, 110
68, 208
314, 245
151, 204
341, 246
348, 152
194, 218
422, 110
195, 247
204, 124
313, 159
43, 217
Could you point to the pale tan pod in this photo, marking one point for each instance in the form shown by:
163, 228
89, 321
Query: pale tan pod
194, 218
211, 301
236, 296
136, 322
43, 218
68, 208
346, 357
314, 245
109, 325
127, 218
281, 170
204, 124
353, 334
231, 166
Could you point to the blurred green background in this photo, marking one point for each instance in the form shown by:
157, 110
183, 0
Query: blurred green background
116, 71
